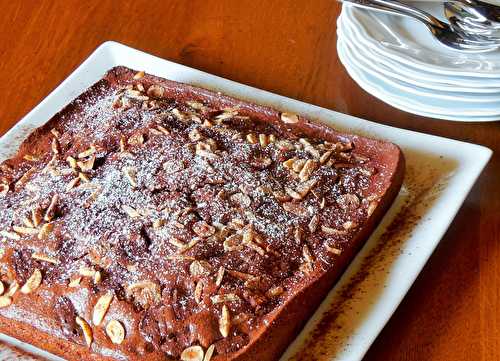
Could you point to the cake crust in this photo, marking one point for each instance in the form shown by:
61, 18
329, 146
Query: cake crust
155, 219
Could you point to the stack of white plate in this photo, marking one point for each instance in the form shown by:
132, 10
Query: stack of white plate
397, 60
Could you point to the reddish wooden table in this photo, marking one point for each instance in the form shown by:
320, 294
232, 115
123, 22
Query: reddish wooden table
287, 47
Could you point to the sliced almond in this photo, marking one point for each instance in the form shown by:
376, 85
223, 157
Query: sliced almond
264, 140
115, 332
333, 250
332, 231
297, 235
45, 230
289, 163
252, 138
274, 291
294, 194
209, 353
225, 321
313, 223
44, 258
289, 118
75, 282
2, 288
87, 331
87, 271
131, 212
220, 276
306, 253
51, 210
348, 201
198, 291
86, 165
349, 225
192, 353
371, 208
33, 282
203, 229
56, 149
139, 75
5, 301
325, 156
199, 268
228, 297
13, 287
100, 308
83, 177
298, 164
73, 183
131, 174
307, 170
30, 158
88, 152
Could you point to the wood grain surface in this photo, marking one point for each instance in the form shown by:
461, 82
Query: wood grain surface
287, 47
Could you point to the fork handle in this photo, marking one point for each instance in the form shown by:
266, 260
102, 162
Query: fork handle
396, 7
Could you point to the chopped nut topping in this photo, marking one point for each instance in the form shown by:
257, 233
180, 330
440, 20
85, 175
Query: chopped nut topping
297, 234
87, 271
348, 201
51, 210
14, 286
307, 170
88, 152
313, 223
192, 353
5, 301
333, 250
100, 308
220, 276
139, 75
325, 156
75, 282
45, 230
55, 133
252, 138
73, 183
56, 149
228, 297
147, 293
4, 189
349, 225
274, 291
289, 163
131, 174
87, 165
289, 118
195, 105
87, 331
203, 229
29, 229
371, 207
307, 254
225, 321
293, 194
83, 177
131, 212
209, 353
199, 268
45, 258
333, 231
115, 332
305, 187
33, 282
30, 158
36, 215
198, 291
263, 140
155, 91
195, 135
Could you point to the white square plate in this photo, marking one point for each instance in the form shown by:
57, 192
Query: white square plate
440, 173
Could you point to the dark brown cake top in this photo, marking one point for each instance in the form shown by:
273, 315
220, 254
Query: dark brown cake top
195, 223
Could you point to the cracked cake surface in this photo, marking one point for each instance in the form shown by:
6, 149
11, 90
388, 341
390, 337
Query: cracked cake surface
154, 219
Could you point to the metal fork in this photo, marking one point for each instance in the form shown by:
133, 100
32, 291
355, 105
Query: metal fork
456, 40
474, 17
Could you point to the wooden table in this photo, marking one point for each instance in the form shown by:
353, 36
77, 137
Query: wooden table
287, 47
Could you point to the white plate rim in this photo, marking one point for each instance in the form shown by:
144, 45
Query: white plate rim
412, 76
397, 102
472, 158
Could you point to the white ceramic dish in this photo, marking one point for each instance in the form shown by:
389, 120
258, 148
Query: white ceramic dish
408, 41
471, 87
471, 83
452, 168
404, 101
406, 96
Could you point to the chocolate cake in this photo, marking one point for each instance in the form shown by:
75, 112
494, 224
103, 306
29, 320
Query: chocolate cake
153, 220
